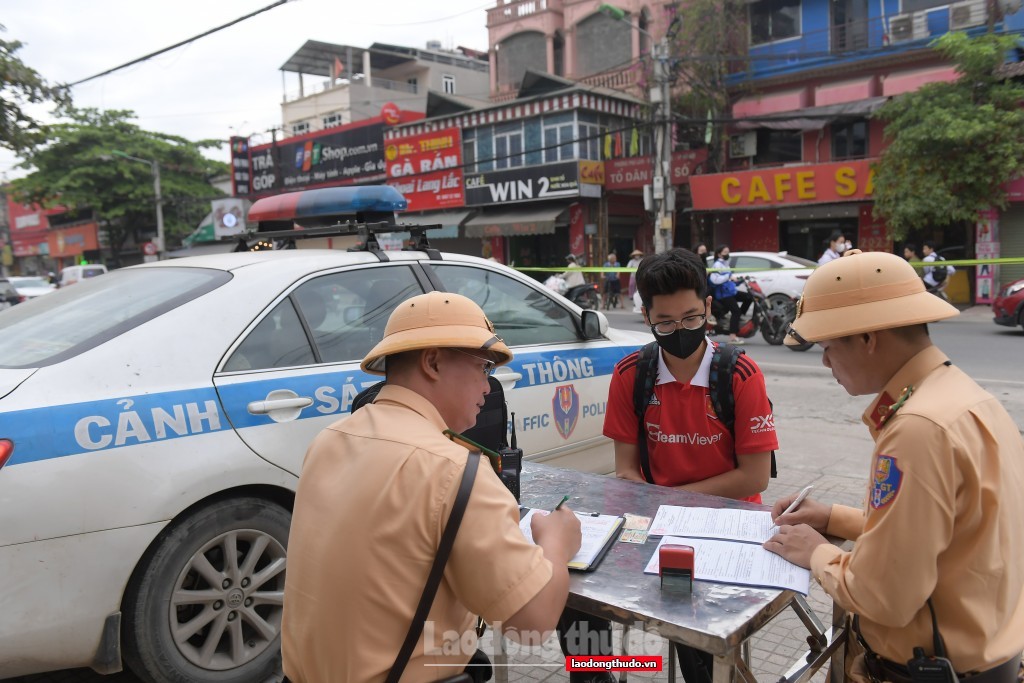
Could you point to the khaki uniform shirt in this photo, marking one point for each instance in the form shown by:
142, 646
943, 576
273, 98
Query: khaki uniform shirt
373, 500
944, 519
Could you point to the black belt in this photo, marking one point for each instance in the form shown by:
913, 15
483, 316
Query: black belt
882, 669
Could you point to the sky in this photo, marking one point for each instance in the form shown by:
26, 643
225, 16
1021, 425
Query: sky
225, 84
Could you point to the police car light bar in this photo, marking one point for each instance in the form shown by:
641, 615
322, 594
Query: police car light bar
328, 206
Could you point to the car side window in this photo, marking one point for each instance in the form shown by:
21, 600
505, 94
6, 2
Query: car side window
346, 312
521, 314
755, 262
278, 341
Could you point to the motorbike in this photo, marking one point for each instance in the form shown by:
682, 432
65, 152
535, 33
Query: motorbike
585, 296
771, 321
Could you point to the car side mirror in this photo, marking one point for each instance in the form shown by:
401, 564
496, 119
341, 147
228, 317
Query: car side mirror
595, 324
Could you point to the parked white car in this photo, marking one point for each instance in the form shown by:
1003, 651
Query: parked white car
30, 287
780, 275
153, 423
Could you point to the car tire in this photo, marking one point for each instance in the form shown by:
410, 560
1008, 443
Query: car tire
780, 302
180, 626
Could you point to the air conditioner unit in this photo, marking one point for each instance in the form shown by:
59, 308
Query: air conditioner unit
743, 145
964, 15
901, 28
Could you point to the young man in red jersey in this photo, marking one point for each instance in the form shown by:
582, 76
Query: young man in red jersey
688, 446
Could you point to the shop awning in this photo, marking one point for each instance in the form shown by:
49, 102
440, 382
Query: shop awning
512, 222
814, 118
451, 220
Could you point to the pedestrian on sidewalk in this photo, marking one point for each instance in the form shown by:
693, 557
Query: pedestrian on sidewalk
635, 257
937, 550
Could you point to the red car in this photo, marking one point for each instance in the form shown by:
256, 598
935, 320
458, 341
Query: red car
1008, 307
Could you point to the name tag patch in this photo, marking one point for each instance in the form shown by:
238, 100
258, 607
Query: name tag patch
885, 483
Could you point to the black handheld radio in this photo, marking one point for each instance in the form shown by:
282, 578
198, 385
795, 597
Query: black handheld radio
512, 463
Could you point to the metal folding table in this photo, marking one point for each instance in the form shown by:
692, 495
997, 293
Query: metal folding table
715, 618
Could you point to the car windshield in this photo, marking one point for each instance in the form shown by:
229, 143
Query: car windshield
69, 321
30, 282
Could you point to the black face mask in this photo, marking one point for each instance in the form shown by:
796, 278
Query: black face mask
682, 343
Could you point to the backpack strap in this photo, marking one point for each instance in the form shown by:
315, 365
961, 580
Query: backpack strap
643, 389
723, 365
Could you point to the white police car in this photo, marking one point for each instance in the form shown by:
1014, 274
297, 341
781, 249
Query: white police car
154, 422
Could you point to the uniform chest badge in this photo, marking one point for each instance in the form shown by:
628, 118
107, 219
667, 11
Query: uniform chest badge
885, 481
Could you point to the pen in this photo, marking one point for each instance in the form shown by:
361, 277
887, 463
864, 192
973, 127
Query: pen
561, 502
799, 499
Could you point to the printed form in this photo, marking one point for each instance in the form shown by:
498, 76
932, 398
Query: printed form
746, 564
749, 526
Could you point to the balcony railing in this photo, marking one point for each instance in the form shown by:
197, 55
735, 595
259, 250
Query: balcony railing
873, 36
517, 9
325, 86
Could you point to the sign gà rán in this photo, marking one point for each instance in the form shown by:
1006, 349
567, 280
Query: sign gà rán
427, 168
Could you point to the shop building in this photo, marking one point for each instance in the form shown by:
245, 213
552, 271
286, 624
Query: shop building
803, 138
525, 178
328, 85
45, 240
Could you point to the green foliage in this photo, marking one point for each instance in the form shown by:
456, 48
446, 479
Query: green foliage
70, 169
21, 86
952, 146
709, 43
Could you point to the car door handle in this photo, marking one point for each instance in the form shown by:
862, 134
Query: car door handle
508, 376
508, 379
264, 407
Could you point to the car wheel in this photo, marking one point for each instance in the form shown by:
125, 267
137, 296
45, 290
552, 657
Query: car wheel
206, 603
780, 302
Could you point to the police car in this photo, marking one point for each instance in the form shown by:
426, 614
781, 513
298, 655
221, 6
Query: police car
154, 422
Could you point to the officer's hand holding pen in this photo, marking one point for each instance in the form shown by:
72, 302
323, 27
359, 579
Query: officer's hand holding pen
559, 530
808, 511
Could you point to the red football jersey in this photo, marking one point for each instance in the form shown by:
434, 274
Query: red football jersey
686, 441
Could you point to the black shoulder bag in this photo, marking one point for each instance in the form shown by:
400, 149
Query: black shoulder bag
436, 571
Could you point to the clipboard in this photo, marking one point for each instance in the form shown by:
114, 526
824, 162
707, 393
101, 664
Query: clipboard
599, 534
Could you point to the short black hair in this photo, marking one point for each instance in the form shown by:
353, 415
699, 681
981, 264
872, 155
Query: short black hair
911, 246
930, 244
670, 272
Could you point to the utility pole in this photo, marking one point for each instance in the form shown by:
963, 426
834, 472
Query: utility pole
661, 179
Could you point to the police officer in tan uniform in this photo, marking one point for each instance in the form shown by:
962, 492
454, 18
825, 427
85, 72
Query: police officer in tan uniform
373, 500
943, 525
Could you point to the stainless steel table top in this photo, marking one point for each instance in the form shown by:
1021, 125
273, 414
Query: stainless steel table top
716, 618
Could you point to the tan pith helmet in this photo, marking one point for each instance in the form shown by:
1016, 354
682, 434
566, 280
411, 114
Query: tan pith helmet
436, 320
863, 292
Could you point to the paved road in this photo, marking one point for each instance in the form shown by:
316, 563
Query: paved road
822, 442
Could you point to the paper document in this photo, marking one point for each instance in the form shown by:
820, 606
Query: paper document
598, 532
749, 526
746, 564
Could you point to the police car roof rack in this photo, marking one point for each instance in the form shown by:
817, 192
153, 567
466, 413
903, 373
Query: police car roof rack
367, 232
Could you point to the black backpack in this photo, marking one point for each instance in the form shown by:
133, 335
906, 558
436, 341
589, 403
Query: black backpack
939, 272
723, 364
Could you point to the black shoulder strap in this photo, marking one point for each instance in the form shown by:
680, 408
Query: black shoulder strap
437, 569
643, 389
723, 365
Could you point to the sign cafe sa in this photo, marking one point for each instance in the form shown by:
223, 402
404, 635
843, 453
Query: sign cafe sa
810, 184
427, 168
